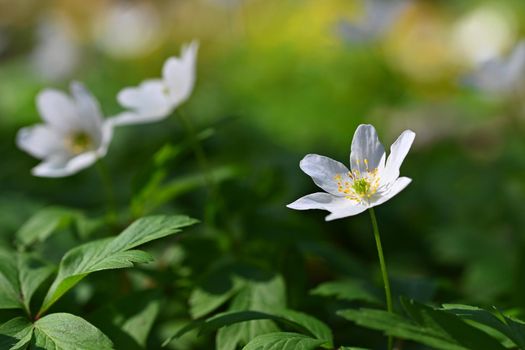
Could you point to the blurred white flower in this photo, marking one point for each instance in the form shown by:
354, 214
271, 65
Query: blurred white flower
56, 54
369, 183
127, 30
378, 17
73, 137
502, 76
155, 99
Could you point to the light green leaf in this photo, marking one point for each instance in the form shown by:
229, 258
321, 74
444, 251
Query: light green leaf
44, 223
283, 341
350, 290
20, 276
16, 334
111, 253
63, 331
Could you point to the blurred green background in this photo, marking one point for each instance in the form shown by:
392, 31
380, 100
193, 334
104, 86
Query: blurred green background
278, 79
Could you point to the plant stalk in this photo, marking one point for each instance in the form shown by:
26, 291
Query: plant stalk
384, 273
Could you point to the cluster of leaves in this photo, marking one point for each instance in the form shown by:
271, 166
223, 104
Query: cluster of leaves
23, 272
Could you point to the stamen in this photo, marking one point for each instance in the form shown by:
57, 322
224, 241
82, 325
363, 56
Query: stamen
79, 142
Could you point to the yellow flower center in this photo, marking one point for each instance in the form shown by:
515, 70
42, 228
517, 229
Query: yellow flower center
358, 186
79, 142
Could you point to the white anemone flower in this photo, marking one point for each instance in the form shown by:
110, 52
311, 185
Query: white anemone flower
502, 75
370, 181
155, 99
74, 134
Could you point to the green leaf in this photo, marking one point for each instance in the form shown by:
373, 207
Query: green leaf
350, 290
111, 253
512, 328
63, 331
44, 223
429, 326
264, 295
292, 319
139, 325
159, 192
400, 327
20, 276
16, 333
283, 341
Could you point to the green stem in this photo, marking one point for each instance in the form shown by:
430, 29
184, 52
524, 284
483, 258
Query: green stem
200, 155
110, 194
384, 273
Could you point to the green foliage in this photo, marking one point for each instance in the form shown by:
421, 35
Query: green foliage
437, 328
111, 253
283, 341
304, 323
20, 276
44, 223
52, 332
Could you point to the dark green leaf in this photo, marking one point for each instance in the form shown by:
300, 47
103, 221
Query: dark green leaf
16, 334
20, 276
512, 328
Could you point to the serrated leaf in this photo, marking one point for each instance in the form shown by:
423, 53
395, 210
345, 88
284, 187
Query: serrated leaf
63, 331
16, 334
20, 276
111, 253
283, 341
349, 290
428, 326
400, 327
512, 328
42, 224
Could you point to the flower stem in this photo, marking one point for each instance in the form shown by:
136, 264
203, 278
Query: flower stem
200, 155
110, 194
384, 273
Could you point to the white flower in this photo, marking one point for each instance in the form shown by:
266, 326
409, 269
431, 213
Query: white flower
127, 29
73, 137
155, 99
502, 76
378, 17
56, 54
369, 183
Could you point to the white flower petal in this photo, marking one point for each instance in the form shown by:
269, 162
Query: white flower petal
367, 152
323, 170
515, 68
61, 166
179, 74
88, 111
39, 141
148, 101
396, 187
398, 152
58, 110
107, 135
339, 207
